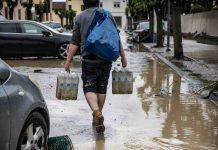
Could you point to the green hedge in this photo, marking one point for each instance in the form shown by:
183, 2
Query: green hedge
196, 8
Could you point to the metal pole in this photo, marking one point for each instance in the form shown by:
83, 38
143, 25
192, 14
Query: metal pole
168, 28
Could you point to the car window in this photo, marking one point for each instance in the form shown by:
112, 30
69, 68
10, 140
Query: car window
8, 28
145, 25
56, 25
48, 24
31, 29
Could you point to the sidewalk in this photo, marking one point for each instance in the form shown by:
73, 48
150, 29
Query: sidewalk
205, 57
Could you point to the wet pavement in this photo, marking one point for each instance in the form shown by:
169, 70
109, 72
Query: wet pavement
162, 113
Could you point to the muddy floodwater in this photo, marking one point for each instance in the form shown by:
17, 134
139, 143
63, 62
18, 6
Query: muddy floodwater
162, 113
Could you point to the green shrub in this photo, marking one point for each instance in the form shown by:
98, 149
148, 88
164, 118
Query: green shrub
196, 8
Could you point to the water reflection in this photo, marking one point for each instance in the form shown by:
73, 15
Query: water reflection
136, 47
99, 139
191, 122
100, 142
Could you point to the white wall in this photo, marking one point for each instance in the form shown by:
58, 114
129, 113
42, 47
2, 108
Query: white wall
201, 22
109, 5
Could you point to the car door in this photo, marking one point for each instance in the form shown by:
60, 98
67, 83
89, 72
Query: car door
10, 40
35, 43
4, 115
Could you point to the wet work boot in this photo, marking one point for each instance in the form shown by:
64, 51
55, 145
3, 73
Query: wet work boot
98, 121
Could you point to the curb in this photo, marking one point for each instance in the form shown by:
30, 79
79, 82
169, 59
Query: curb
166, 62
171, 65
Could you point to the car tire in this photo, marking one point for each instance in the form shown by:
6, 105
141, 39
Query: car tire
62, 50
34, 133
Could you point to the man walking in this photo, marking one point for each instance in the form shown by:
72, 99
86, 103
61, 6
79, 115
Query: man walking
95, 71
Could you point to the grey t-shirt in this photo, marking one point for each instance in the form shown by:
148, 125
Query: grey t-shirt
81, 25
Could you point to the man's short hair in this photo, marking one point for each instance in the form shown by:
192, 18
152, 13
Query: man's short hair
91, 3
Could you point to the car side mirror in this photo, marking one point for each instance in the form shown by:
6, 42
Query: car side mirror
46, 33
4, 74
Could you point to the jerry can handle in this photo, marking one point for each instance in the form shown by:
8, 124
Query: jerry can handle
119, 67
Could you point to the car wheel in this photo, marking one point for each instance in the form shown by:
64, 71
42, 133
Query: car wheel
34, 134
62, 51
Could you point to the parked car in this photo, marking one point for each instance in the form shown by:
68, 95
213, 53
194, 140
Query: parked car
32, 39
54, 25
24, 117
142, 30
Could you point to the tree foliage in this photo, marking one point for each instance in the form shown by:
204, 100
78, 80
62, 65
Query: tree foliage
70, 15
195, 8
28, 4
61, 13
137, 9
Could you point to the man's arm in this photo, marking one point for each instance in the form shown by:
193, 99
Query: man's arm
75, 42
123, 57
72, 51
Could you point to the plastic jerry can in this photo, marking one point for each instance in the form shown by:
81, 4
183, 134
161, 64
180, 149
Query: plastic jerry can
67, 86
122, 81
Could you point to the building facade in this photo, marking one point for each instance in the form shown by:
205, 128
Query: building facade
76, 5
116, 7
20, 12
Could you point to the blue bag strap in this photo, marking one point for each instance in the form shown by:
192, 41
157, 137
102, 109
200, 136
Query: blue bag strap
99, 14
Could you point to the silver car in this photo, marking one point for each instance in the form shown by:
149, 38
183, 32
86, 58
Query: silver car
24, 117
54, 25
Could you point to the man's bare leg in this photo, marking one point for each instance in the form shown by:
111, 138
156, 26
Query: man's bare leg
101, 101
92, 100
98, 118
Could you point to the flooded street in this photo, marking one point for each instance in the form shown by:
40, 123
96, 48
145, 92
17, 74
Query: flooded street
162, 112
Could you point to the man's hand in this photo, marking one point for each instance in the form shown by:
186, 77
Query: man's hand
67, 66
124, 62
71, 52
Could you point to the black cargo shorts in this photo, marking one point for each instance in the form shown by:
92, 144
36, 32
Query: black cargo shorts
95, 76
